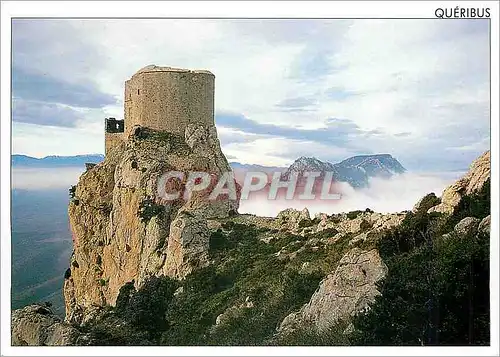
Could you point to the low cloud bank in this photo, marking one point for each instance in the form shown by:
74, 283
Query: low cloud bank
45, 178
395, 194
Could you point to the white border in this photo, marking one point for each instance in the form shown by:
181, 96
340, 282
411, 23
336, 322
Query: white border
317, 9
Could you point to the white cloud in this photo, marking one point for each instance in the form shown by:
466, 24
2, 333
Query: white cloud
45, 178
40, 141
426, 78
396, 194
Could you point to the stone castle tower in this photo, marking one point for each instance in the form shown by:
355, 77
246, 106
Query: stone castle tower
163, 99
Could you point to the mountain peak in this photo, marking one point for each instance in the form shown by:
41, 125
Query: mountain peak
355, 170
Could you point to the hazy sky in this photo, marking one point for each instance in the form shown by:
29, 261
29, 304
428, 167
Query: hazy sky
417, 89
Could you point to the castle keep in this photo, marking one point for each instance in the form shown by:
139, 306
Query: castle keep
163, 99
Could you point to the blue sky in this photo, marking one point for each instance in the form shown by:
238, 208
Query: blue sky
417, 89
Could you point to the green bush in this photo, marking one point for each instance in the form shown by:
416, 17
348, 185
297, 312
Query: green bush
146, 308
354, 214
427, 202
148, 209
306, 223
219, 241
72, 192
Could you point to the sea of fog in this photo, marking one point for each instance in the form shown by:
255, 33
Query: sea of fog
396, 194
41, 239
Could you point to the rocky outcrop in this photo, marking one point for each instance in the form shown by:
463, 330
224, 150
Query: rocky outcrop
473, 181
122, 228
187, 244
345, 292
484, 226
366, 220
36, 325
467, 226
292, 219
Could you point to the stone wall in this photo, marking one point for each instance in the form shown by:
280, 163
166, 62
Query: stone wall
112, 140
169, 99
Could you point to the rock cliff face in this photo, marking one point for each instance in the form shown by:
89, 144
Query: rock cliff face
123, 232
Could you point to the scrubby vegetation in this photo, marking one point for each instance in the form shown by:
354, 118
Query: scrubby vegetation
72, 192
247, 283
335, 335
249, 288
148, 209
354, 214
176, 141
437, 289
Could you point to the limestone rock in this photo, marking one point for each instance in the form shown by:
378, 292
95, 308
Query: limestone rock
467, 226
484, 226
388, 221
343, 293
359, 238
478, 174
179, 291
187, 245
473, 181
292, 219
36, 325
363, 222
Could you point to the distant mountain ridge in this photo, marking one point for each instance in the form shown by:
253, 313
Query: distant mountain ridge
254, 167
356, 170
55, 161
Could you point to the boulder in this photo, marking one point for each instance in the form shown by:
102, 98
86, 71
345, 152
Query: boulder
484, 226
293, 220
36, 325
188, 244
467, 226
342, 294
